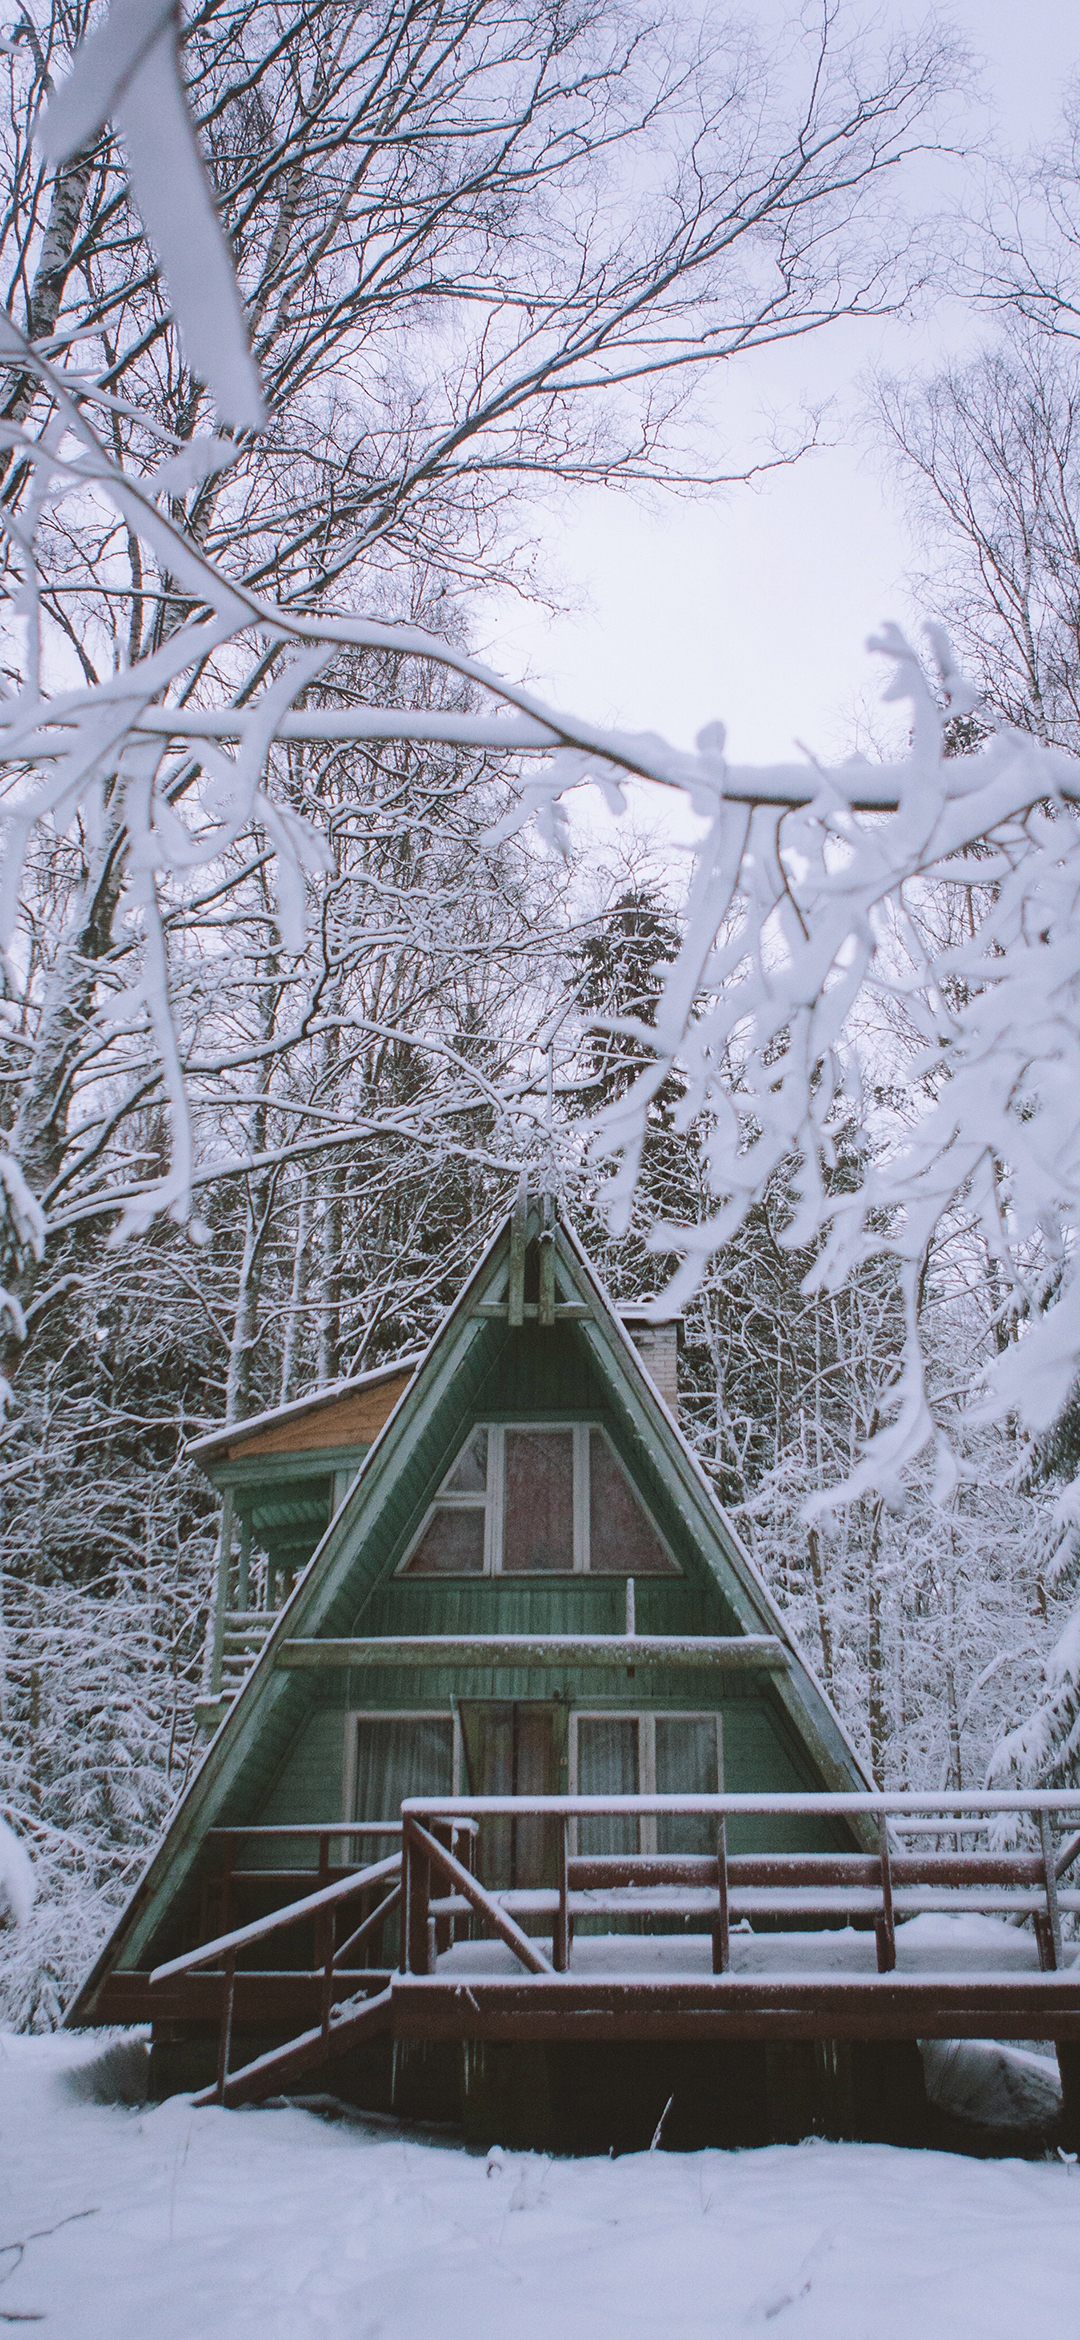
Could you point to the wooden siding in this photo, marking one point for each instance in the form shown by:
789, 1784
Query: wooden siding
532, 1375
296, 1769
353, 1420
310, 1785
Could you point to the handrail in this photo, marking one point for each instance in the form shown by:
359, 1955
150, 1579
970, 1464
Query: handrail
225, 1945
423, 1851
314, 1828
962, 1807
1067, 1856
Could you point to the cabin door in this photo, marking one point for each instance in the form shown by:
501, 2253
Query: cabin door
515, 1748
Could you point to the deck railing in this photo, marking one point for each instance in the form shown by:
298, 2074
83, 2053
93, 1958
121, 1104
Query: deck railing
331, 1895
875, 1888
434, 1880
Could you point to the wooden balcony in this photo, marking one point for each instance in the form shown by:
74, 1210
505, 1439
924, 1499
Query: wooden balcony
937, 1932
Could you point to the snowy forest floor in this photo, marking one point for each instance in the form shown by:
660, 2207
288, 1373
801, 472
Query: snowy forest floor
170, 2223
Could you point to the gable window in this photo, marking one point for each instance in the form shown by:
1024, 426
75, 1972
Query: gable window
619, 1754
526, 1500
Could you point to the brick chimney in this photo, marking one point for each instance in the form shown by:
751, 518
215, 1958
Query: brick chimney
658, 1347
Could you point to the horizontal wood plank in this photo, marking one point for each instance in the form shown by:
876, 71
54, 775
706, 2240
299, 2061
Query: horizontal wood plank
707, 1653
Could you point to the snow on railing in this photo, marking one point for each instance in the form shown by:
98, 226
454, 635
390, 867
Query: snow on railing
825, 1886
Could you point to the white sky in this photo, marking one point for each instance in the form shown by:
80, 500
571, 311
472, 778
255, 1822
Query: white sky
755, 607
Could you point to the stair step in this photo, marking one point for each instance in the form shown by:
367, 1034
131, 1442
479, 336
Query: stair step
364, 2019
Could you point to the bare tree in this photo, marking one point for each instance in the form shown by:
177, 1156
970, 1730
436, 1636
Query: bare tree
987, 457
478, 251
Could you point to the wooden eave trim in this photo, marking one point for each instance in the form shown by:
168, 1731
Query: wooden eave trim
703, 1653
313, 1462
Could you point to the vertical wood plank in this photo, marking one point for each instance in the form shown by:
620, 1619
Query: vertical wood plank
1053, 1909
722, 1928
418, 1894
216, 1637
885, 1929
225, 2032
243, 1574
560, 1946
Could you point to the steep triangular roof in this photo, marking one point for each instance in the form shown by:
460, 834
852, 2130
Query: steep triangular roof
411, 1452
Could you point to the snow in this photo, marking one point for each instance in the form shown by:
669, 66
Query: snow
177, 2224
930, 1944
999, 2086
16, 1877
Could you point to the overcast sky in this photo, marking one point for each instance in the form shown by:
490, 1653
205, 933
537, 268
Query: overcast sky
755, 608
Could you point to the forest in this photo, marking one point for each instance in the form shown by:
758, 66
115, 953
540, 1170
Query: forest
296, 983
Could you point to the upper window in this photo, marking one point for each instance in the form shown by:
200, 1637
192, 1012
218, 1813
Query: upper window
534, 1502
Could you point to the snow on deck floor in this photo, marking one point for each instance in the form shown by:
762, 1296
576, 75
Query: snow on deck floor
177, 2224
953, 1946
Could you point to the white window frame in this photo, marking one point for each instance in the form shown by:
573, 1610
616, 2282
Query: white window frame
354, 1715
646, 1718
492, 1505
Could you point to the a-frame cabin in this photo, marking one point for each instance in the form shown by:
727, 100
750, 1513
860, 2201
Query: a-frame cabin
523, 1588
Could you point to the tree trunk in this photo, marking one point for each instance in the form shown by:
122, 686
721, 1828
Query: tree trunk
875, 1664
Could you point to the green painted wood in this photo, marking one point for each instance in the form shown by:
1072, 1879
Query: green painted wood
551, 1604
269, 1470
280, 1750
625, 1653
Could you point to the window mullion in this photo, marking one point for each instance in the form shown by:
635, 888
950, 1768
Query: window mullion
581, 1496
647, 1777
493, 1541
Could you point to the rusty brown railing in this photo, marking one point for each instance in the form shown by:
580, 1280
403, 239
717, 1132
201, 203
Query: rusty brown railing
877, 1888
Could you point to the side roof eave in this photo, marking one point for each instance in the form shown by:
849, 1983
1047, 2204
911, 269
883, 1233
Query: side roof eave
214, 1442
179, 1843
800, 1692
812, 1715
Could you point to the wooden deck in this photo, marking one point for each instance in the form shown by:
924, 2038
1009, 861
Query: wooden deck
934, 1929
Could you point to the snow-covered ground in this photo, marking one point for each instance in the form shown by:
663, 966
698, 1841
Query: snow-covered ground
173, 2224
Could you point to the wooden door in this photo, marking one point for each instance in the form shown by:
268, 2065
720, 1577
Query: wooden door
515, 1748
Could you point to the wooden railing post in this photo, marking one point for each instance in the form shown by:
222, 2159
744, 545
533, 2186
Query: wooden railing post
442, 1927
225, 2031
885, 1927
721, 1953
560, 1946
1053, 1908
414, 1947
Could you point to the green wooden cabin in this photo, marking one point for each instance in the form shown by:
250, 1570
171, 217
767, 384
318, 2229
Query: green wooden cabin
525, 1478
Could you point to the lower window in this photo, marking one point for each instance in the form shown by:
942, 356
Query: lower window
619, 1754
398, 1755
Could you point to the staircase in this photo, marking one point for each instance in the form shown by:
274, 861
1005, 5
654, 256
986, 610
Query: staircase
245, 1634
342, 2025
243, 1637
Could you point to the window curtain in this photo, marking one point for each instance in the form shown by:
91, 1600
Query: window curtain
398, 1756
608, 1765
686, 1766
